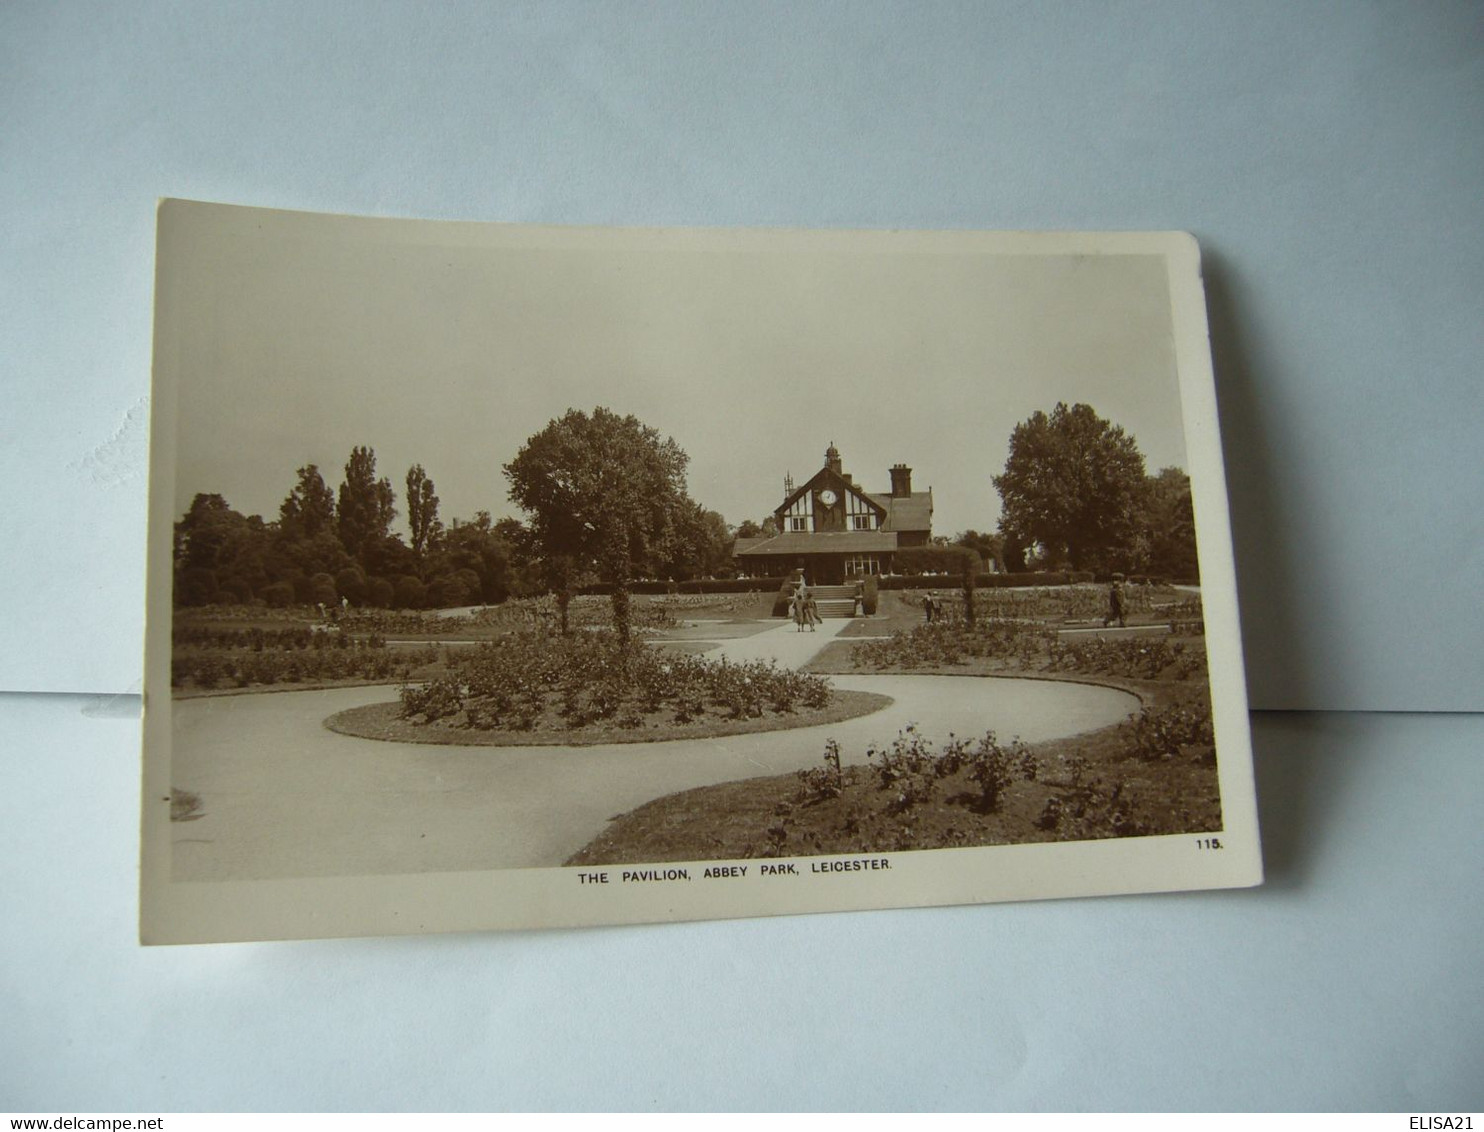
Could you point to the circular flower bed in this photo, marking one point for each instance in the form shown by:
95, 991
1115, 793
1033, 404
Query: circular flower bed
531, 687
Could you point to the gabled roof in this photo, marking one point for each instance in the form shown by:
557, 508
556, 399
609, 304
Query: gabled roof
826, 478
826, 542
907, 512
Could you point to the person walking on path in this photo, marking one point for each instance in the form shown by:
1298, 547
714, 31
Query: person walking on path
1117, 604
811, 611
800, 609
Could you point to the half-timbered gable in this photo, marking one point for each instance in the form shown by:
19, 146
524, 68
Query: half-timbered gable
834, 530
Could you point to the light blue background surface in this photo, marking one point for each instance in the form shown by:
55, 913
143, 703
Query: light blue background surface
1329, 157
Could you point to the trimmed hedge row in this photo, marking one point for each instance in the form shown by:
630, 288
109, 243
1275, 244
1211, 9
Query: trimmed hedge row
913, 560
885, 581
985, 581
697, 586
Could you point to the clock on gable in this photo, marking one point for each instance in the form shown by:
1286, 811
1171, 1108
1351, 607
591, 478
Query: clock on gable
828, 497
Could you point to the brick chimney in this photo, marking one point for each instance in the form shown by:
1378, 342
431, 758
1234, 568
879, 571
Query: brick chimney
901, 481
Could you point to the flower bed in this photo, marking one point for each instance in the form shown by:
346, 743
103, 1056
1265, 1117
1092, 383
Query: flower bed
1151, 775
208, 669
533, 681
952, 641
1027, 645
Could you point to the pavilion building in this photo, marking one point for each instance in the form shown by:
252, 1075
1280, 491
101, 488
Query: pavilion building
835, 531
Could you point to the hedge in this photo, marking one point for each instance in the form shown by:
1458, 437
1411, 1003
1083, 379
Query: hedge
696, 586
985, 581
913, 560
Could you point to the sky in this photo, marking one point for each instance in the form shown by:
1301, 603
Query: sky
287, 339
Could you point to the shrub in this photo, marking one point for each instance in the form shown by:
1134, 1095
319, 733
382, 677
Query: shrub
447, 591
1087, 807
954, 560
950, 641
208, 671
1164, 734
434, 700
473, 583
278, 594
985, 581
408, 593
994, 768
911, 767
351, 582
322, 590
870, 595
822, 782
196, 585
694, 586
379, 593
588, 677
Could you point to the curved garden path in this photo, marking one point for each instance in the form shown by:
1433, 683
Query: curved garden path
282, 796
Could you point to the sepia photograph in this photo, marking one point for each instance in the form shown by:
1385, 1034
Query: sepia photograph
507, 576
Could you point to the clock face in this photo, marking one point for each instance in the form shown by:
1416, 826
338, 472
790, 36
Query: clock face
828, 497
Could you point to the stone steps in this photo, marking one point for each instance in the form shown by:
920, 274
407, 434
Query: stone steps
833, 593
836, 607
834, 601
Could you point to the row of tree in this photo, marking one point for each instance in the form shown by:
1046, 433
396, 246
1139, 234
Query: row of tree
606, 500
331, 544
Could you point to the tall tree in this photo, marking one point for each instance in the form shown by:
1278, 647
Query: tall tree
422, 509
989, 547
219, 553
309, 507
603, 489
1074, 482
1168, 523
480, 549
699, 545
367, 505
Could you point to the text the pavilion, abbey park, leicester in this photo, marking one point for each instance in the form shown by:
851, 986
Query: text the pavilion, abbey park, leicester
835, 531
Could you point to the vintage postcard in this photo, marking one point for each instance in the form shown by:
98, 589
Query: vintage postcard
511, 577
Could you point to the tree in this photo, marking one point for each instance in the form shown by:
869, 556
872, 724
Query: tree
523, 555
602, 489
367, 504
484, 555
351, 584
309, 507
1168, 524
408, 593
990, 548
1073, 483
422, 509
219, 553
699, 546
